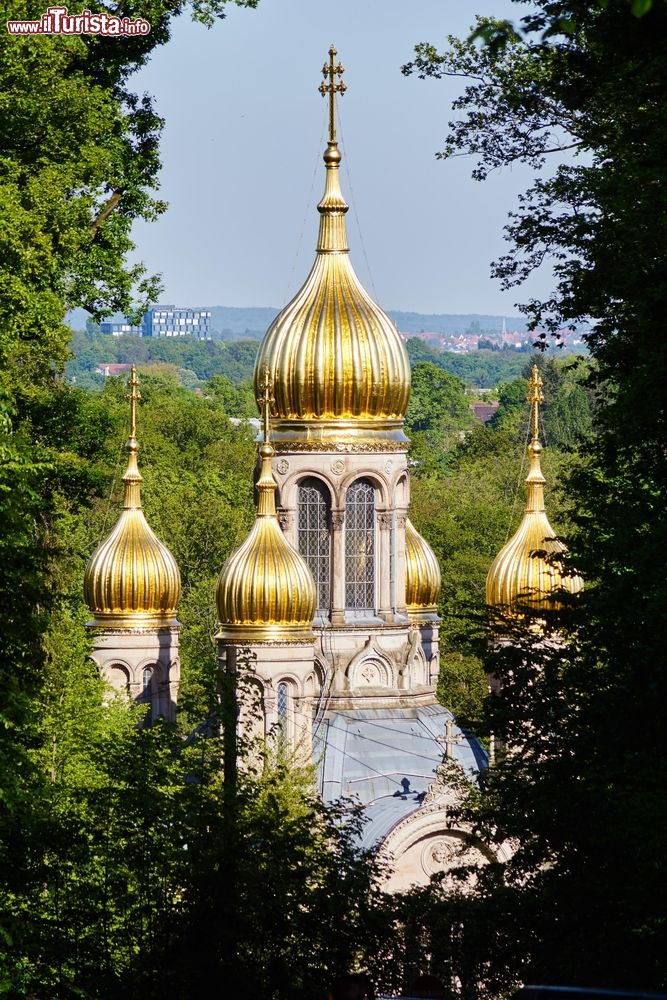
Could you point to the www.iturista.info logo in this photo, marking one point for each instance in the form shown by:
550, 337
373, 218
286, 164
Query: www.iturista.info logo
59, 21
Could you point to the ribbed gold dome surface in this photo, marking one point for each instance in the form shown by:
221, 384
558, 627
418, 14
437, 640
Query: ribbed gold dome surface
340, 370
265, 590
530, 569
422, 574
132, 580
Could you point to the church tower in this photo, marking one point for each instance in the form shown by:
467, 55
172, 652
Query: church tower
132, 586
341, 383
334, 593
266, 604
529, 572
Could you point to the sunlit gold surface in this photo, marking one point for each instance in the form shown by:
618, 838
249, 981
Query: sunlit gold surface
339, 367
422, 574
265, 590
530, 569
132, 579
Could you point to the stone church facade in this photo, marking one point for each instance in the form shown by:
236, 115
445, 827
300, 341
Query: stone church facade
333, 596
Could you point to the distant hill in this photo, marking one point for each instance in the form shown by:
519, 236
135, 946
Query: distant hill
414, 322
236, 323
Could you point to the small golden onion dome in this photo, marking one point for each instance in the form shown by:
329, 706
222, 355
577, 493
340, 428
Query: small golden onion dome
422, 574
132, 580
265, 590
530, 570
340, 369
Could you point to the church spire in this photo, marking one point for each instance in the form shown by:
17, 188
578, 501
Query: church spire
535, 480
530, 570
340, 371
132, 478
332, 208
266, 484
132, 578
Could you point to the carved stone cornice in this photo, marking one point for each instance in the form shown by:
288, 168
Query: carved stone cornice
240, 644
342, 447
100, 630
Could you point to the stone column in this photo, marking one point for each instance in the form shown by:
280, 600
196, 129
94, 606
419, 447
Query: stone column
338, 567
399, 568
383, 565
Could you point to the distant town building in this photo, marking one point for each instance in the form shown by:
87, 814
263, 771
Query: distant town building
122, 329
175, 321
114, 369
484, 412
164, 321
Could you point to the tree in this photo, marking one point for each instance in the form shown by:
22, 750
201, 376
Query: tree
589, 877
437, 400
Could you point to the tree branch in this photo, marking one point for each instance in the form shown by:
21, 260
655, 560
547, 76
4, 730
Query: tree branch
104, 213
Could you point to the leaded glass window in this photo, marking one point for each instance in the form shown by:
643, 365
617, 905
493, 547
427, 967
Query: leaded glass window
146, 696
282, 702
282, 708
315, 537
360, 547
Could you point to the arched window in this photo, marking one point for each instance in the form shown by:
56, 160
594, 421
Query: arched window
360, 547
146, 696
282, 710
314, 536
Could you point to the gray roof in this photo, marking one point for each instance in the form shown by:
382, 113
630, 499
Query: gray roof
386, 759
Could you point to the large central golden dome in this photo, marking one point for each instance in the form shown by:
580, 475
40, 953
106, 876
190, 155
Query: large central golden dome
339, 369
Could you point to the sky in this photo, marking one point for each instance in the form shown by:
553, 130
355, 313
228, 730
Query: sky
242, 159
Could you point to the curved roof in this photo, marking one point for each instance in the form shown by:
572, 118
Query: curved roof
387, 758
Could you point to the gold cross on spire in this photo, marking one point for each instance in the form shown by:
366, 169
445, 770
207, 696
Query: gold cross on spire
267, 399
134, 396
332, 69
535, 397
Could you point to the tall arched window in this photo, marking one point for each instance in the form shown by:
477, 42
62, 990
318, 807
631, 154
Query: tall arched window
282, 710
147, 691
314, 536
360, 547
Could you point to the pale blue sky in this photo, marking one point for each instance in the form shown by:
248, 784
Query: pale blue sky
242, 158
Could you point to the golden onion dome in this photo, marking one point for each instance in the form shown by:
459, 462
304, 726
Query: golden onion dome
340, 370
530, 570
422, 574
132, 580
265, 590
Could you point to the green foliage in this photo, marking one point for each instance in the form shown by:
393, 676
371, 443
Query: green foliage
585, 888
206, 359
437, 401
482, 368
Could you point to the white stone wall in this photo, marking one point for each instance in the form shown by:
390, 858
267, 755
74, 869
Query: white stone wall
123, 654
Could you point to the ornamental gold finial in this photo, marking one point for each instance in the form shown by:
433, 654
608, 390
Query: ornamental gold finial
267, 400
331, 70
134, 396
132, 478
535, 397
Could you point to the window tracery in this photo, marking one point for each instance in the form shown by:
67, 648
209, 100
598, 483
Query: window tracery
314, 537
360, 547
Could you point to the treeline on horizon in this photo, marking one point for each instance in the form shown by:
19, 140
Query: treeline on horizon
251, 322
200, 360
